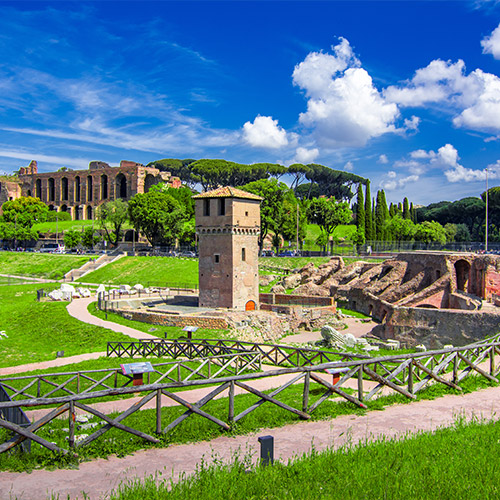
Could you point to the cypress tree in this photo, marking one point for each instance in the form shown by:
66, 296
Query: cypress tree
368, 214
406, 209
360, 209
413, 213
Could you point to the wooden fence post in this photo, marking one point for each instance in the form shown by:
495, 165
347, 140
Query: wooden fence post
71, 436
492, 360
305, 395
231, 402
410, 378
360, 383
158, 411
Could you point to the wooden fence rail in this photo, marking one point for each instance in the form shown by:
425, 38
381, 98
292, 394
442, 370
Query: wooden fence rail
405, 374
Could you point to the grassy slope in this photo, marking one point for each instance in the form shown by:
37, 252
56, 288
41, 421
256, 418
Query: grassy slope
62, 225
39, 265
446, 464
157, 271
36, 331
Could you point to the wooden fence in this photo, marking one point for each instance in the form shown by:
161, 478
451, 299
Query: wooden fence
405, 374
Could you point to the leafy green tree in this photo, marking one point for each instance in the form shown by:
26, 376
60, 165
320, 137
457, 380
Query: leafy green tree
463, 233
72, 238
328, 213
90, 238
158, 216
368, 214
401, 229
406, 209
288, 226
429, 232
112, 216
451, 232
24, 211
360, 216
298, 172
381, 214
272, 208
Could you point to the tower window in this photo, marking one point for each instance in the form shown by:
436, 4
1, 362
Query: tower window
206, 208
222, 206
216, 258
243, 254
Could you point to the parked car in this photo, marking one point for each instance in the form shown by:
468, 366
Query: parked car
187, 253
52, 248
288, 253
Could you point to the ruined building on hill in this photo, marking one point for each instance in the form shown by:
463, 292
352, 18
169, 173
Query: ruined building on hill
80, 192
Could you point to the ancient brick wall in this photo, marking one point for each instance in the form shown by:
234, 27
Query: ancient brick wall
9, 190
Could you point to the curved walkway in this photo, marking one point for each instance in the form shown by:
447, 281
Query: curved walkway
99, 477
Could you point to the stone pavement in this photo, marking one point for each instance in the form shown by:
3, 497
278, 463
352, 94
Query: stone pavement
99, 477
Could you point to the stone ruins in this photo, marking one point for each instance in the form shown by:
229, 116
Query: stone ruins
80, 192
429, 298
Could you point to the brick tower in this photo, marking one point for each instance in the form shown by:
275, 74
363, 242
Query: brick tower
228, 227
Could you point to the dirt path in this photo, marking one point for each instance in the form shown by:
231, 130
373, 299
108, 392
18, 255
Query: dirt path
99, 477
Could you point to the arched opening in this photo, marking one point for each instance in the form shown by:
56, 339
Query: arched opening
89, 213
89, 188
148, 182
427, 306
29, 192
52, 190
77, 188
52, 208
462, 271
370, 310
121, 186
64, 208
38, 188
130, 235
438, 274
64, 189
78, 213
104, 187
250, 306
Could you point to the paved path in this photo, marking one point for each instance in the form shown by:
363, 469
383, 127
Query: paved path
99, 477
78, 309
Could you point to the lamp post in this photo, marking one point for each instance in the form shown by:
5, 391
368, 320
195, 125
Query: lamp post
486, 232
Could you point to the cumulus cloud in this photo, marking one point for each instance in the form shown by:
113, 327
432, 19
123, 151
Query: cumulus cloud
349, 166
393, 181
264, 132
305, 156
412, 123
491, 44
383, 159
344, 108
473, 98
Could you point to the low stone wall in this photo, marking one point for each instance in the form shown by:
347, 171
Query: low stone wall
299, 300
165, 319
435, 328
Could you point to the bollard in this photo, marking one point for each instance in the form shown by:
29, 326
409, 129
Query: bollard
266, 450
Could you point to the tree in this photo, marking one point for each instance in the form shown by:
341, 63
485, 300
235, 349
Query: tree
24, 211
429, 232
158, 216
451, 232
290, 222
112, 216
90, 238
328, 213
368, 214
272, 208
401, 229
406, 209
360, 216
72, 238
463, 233
381, 214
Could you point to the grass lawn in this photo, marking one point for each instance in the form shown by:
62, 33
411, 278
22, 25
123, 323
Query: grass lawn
37, 330
149, 271
446, 464
63, 225
39, 265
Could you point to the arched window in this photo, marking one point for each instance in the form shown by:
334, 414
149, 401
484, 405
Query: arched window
52, 190
77, 188
38, 188
121, 186
89, 213
64, 189
90, 188
148, 182
104, 187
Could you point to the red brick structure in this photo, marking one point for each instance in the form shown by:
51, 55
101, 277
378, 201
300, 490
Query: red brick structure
228, 228
80, 192
9, 190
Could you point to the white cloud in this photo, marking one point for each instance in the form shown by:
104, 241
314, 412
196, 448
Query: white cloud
305, 156
474, 99
264, 132
383, 159
56, 161
349, 166
344, 108
491, 44
412, 123
392, 181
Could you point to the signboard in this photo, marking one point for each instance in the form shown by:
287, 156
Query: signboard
131, 369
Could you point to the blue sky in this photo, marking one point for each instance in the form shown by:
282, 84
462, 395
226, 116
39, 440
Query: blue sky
406, 93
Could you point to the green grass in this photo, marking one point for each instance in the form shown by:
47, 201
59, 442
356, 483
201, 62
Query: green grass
197, 428
63, 225
313, 231
37, 330
150, 271
39, 265
450, 463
